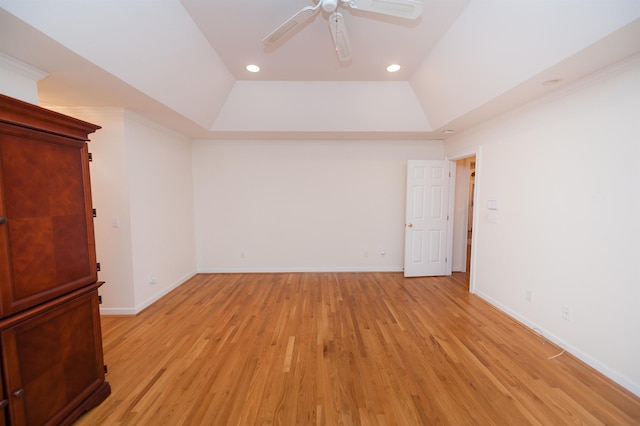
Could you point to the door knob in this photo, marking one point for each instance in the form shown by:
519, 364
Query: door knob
19, 393
410, 225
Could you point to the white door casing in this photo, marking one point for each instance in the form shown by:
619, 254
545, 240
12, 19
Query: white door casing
427, 218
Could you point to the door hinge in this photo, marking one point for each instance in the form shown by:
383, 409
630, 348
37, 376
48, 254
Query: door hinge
98, 266
95, 214
90, 157
106, 369
99, 300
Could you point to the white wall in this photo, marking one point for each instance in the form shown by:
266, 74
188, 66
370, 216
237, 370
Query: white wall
302, 205
110, 193
322, 106
162, 218
141, 178
565, 173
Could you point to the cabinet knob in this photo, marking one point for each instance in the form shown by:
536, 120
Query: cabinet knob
19, 393
3, 220
3, 403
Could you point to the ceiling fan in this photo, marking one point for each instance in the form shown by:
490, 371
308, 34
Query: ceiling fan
410, 9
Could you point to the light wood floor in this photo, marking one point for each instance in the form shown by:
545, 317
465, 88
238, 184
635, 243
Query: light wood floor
342, 348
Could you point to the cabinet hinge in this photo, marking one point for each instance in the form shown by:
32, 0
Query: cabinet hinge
98, 266
94, 213
90, 157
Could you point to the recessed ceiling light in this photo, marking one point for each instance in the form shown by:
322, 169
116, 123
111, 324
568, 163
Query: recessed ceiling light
253, 68
393, 67
552, 82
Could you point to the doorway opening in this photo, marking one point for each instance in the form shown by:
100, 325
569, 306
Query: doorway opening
464, 237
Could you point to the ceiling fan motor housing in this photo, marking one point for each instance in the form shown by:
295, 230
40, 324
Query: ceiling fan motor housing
329, 5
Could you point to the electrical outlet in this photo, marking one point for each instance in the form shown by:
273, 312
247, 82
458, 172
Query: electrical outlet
382, 252
152, 279
530, 296
566, 313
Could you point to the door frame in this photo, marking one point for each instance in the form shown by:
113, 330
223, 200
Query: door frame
459, 155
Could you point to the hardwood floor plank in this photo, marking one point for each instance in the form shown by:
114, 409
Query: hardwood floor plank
342, 349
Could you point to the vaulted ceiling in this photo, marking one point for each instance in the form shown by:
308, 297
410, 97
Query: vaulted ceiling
182, 63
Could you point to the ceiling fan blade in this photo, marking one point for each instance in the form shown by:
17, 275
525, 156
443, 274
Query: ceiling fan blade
410, 9
290, 24
340, 37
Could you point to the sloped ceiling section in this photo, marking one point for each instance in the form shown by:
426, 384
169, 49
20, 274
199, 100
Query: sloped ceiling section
151, 56
153, 46
497, 46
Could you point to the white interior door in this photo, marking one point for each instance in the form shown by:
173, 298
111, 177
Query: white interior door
427, 218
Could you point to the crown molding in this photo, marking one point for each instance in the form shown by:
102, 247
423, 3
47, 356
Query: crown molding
12, 64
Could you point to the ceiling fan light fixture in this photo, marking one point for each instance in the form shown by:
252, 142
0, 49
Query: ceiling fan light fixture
393, 68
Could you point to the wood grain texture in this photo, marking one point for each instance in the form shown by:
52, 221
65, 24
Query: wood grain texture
342, 349
48, 235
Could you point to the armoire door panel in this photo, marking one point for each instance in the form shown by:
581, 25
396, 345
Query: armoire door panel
56, 350
49, 228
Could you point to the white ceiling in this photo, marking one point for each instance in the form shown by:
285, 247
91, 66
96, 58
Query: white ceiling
181, 62
235, 29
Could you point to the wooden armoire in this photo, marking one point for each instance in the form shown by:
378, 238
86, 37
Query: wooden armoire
51, 368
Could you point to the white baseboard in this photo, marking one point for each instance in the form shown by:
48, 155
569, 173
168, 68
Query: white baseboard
597, 365
149, 301
298, 269
117, 311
